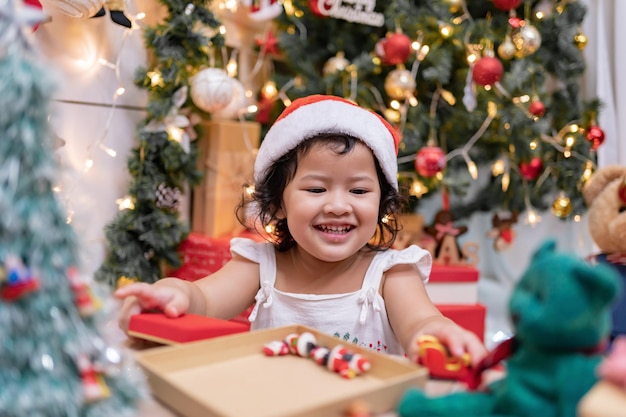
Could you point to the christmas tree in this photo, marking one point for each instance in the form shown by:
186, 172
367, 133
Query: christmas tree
53, 359
145, 235
485, 93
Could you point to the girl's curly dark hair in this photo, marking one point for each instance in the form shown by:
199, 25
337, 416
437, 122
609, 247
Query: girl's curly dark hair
268, 193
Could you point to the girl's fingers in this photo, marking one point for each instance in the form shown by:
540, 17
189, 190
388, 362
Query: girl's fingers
138, 289
129, 307
148, 296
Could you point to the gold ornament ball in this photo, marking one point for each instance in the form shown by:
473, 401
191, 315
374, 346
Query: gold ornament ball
527, 40
506, 50
336, 64
562, 207
399, 84
580, 40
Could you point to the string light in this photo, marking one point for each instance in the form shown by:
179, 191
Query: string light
69, 217
471, 166
98, 143
288, 6
109, 151
532, 218
445, 30
125, 203
156, 80
497, 168
492, 111
506, 181
588, 171
418, 188
231, 66
269, 90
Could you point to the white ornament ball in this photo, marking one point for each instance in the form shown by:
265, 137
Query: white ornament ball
77, 9
238, 103
211, 89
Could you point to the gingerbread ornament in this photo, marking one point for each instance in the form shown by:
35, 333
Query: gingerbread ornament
445, 233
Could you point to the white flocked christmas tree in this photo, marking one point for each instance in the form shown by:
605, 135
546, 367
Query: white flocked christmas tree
54, 357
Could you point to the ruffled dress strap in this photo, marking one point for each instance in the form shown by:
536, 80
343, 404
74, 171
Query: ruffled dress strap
369, 297
263, 254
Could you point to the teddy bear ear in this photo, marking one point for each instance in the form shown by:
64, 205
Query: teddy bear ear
599, 279
547, 247
600, 179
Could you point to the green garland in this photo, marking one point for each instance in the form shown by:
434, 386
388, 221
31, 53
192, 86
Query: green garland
144, 238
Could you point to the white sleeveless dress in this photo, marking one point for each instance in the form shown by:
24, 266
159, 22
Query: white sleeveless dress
358, 317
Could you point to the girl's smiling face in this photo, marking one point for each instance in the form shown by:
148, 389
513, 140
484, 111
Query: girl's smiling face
332, 202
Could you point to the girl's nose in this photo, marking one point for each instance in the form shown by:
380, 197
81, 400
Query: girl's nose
337, 204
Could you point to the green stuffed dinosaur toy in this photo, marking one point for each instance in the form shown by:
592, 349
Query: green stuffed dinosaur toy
561, 313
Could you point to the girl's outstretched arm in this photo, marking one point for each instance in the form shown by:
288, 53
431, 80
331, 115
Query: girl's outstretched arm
223, 294
412, 314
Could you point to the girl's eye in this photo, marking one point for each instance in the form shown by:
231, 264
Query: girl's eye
359, 191
315, 190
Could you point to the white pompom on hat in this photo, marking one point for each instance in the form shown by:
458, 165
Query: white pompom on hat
317, 114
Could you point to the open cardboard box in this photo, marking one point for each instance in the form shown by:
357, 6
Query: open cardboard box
230, 376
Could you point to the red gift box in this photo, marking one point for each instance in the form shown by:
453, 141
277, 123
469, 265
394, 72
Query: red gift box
470, 317
203, 255
187, 328
453, 284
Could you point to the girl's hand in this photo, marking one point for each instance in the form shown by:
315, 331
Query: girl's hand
139, 297
454, 337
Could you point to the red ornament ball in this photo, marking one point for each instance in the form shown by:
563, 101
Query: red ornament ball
393, 49
430, 160
507, 4
595, 135
537, 108
320, 8
530, 170
487, 70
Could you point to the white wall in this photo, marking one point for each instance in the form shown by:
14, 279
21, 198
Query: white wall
83, 115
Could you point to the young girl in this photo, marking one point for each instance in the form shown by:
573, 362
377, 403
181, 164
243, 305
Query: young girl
326, 180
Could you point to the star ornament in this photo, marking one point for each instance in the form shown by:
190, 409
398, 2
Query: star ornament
16, 19
269, 44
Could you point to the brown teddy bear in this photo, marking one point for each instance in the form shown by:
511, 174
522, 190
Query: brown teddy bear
605, 195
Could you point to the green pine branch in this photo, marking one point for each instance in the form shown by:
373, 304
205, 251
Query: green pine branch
143, 240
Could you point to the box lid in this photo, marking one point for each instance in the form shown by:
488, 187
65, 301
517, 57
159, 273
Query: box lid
231, 377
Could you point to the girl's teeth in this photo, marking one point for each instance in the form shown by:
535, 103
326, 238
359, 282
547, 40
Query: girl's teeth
335, 229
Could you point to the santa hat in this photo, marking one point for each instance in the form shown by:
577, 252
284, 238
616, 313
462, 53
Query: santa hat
317, 114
